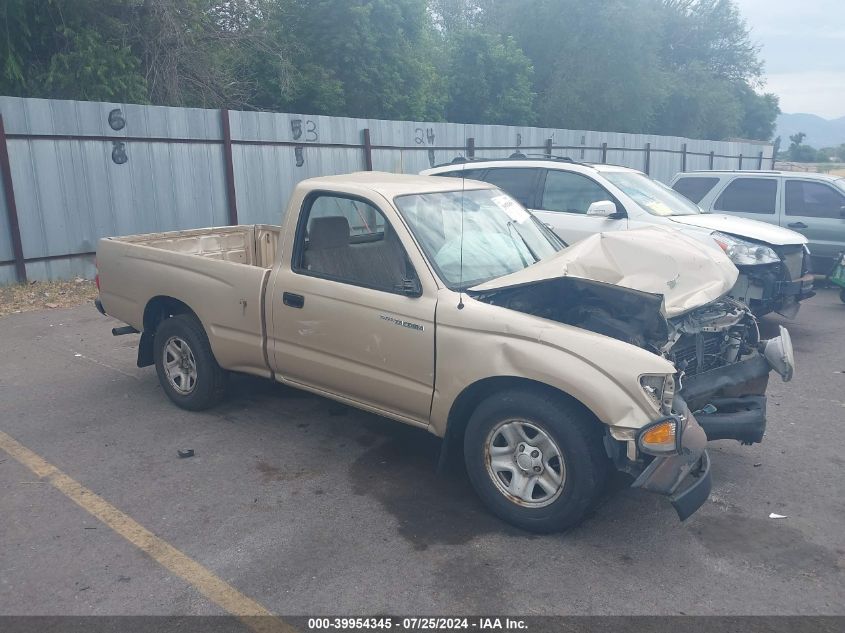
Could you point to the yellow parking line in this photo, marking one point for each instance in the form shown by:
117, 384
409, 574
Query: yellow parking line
202, 579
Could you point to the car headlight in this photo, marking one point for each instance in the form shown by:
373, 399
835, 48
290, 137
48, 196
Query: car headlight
743, 252
660, 389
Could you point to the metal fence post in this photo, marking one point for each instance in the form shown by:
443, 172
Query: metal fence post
604, 152
11, 207
712, 156
471, 147
740, 162
549, 147
760, 160
230, 167
775, 150
684, 157
368, 150
647, 158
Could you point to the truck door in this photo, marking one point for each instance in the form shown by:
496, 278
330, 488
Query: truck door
350, 315
816, 209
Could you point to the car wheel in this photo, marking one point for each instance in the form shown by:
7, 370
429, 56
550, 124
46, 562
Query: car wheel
535, 458
185, 364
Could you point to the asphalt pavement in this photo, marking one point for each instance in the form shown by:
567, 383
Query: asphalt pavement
307, 507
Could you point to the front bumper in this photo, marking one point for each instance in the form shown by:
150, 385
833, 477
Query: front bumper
683, 477
730, 401
778, 287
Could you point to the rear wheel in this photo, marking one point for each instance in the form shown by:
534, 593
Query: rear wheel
535, 458
185, 364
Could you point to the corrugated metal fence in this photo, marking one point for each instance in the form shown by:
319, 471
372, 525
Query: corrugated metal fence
77, 171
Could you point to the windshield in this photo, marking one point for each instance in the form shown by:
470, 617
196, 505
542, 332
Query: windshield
655, 197
499, 235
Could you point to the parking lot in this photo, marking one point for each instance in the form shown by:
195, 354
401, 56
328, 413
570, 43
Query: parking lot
304, 506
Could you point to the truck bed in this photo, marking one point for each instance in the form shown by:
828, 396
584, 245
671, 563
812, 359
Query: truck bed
219, 273
254, 245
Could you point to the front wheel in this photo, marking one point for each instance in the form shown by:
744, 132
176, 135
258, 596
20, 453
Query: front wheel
535, 458
185, 364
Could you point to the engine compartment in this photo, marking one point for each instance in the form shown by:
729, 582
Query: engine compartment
715, 335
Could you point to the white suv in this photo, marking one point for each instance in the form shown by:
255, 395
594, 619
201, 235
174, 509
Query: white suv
580, 199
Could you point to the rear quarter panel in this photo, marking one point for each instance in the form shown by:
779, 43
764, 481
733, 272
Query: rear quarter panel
227, 297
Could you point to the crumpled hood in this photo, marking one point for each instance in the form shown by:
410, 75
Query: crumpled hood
742, 227
656, 260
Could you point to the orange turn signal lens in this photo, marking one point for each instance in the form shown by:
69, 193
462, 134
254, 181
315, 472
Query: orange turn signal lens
660, 438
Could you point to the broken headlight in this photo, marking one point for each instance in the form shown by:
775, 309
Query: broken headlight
660, 389
744, 253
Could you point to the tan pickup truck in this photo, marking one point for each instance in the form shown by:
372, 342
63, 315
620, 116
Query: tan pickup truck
444, 304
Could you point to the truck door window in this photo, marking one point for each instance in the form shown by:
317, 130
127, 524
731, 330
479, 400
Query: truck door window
749, 195
695, 188
571, 193
812, 199
349, 240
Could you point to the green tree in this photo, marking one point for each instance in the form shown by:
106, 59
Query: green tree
760, 112
798, 152
596, 64
489, 80
710, 35
364, 58
76, 57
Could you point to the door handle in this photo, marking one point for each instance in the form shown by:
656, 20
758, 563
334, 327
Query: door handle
797, 225
293, 300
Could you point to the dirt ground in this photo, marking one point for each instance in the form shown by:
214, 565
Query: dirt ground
38, 295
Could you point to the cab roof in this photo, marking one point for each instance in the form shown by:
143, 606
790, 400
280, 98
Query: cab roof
391, 185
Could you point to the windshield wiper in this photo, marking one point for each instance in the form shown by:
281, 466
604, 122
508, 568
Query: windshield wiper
511, 229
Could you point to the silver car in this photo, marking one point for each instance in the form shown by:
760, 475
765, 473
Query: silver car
811, 204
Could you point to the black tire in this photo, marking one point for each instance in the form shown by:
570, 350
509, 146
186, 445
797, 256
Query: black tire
208, 385
842, 295
578, 438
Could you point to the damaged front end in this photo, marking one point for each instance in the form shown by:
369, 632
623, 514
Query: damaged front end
670, 297
723, 368
722, 364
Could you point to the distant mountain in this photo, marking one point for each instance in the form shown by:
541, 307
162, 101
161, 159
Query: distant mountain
820, 132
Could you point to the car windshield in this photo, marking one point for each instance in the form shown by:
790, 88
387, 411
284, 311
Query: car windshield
655, 197
499, 235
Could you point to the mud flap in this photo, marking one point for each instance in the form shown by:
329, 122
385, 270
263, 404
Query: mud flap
145, 350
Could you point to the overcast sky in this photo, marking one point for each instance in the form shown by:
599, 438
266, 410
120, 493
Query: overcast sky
803, 46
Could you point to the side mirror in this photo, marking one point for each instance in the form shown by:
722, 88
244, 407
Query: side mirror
603, 209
